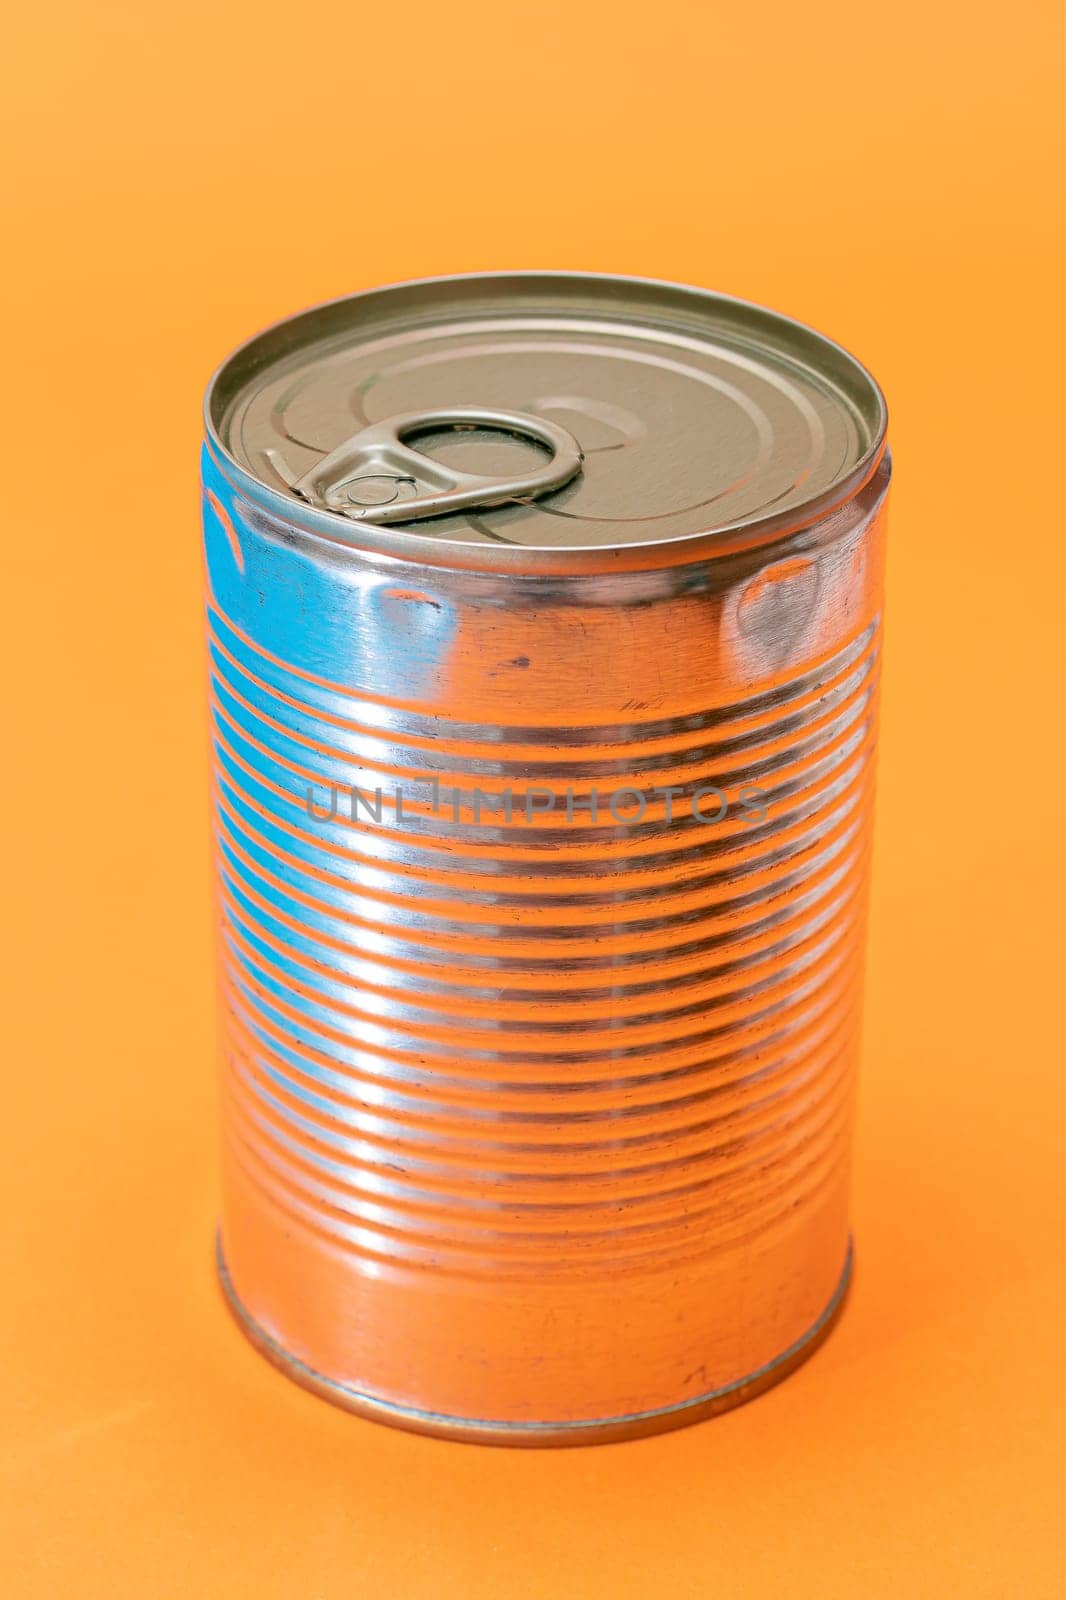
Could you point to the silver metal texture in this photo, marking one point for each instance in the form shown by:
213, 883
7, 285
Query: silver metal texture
543, 859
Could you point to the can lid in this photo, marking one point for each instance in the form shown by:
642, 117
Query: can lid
558, 411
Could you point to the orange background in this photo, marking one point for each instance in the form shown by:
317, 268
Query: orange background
182, 177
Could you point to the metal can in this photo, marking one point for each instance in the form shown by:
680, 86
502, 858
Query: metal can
545, 621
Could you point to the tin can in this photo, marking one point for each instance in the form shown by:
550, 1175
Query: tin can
545, 620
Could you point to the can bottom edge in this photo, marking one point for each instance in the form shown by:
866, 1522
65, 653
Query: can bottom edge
540, 1435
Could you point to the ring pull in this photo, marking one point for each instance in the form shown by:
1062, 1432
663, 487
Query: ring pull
376, 477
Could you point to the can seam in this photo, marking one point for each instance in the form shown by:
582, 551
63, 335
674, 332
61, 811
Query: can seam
540, 1434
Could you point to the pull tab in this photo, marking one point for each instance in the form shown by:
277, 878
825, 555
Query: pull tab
372, 466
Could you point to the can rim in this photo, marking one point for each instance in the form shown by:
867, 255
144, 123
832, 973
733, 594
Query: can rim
344, 533
594, 1431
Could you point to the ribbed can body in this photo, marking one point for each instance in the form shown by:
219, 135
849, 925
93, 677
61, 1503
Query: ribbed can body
540, 1125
